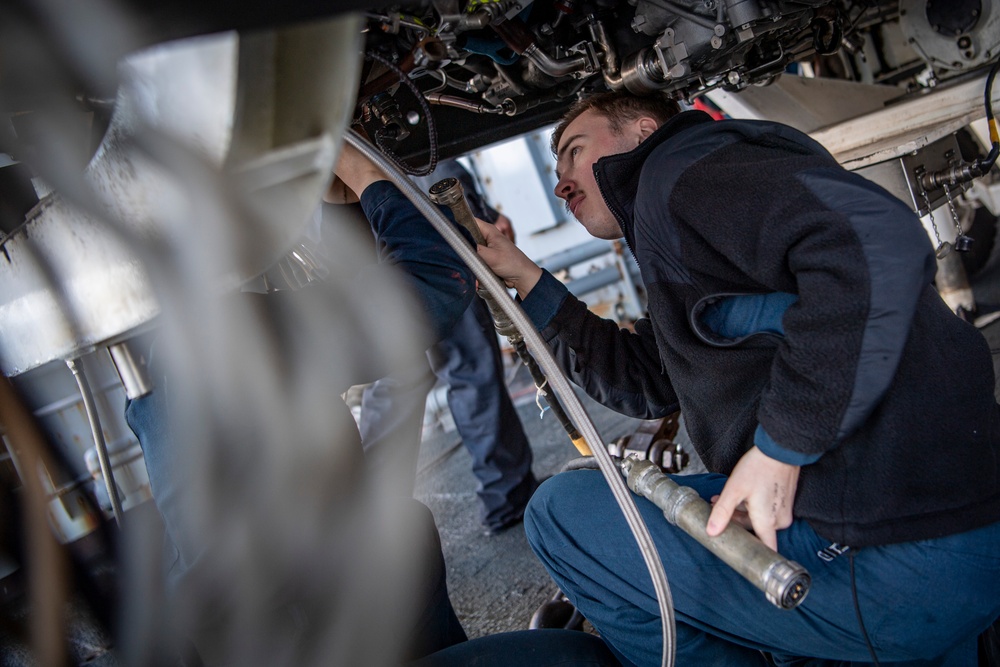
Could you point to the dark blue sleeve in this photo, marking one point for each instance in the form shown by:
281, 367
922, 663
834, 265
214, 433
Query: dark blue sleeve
616, 367
443, 283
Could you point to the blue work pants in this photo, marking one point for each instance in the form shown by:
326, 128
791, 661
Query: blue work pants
469, 361
922, 603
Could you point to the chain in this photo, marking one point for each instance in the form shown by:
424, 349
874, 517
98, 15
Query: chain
943, 247
951, 207
962, 242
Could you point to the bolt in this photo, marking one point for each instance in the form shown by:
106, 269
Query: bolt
716, 42
412, 117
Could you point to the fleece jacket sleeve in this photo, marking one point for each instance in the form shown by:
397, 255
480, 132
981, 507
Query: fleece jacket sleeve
618, 368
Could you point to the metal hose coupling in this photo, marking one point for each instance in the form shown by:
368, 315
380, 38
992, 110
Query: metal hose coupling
785, 583
449, 192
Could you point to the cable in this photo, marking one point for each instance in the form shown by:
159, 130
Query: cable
991, 158
857, 610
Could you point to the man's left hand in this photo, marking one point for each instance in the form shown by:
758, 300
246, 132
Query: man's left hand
766, 487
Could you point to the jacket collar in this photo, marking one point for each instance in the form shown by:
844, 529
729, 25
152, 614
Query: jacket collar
618, 175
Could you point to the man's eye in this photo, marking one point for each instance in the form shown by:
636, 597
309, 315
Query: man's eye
574, 151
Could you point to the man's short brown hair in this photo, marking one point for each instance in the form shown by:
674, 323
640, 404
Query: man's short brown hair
619, 109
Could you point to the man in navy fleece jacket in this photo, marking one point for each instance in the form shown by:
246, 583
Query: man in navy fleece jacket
848, 415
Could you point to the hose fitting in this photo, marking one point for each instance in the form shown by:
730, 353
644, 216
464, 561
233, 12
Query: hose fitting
785, 583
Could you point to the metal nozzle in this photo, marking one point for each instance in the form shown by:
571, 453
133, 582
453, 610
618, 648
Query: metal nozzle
449, 192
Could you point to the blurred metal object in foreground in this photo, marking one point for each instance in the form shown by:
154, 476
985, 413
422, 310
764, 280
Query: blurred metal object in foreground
252, 117
784, 582
218, 152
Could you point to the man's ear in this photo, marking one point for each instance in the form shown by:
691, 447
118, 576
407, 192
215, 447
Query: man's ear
647, 126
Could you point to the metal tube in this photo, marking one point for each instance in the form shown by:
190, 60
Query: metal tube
461, 103
95, 428
557, 381
785, 583
553, 67
610, 68
133, 374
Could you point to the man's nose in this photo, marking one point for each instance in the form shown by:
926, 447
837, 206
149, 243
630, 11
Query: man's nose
563, 188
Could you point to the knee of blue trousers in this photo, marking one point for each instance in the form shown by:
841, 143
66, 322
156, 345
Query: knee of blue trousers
539, 515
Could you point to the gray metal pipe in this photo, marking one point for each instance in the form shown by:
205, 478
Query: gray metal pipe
784, 582
557, 380
611, 67
462, 103
95, 428
132, 373
553, 67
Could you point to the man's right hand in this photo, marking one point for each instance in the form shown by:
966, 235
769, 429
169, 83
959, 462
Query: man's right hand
507, 261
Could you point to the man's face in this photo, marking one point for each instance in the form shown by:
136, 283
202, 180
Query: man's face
584, 141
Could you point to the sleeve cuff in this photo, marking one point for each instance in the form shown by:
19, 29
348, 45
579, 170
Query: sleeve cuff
766, 444
544, 300
376, 194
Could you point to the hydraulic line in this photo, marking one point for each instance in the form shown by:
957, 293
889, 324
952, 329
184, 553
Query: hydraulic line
449, 192
964, 172
557, 380
991, 121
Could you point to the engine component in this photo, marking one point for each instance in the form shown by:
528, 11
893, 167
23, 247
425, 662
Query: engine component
383, 109
274, 144
653, 441
517, 55
952, 35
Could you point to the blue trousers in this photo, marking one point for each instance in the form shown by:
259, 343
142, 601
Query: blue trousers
922, 603
469, 361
